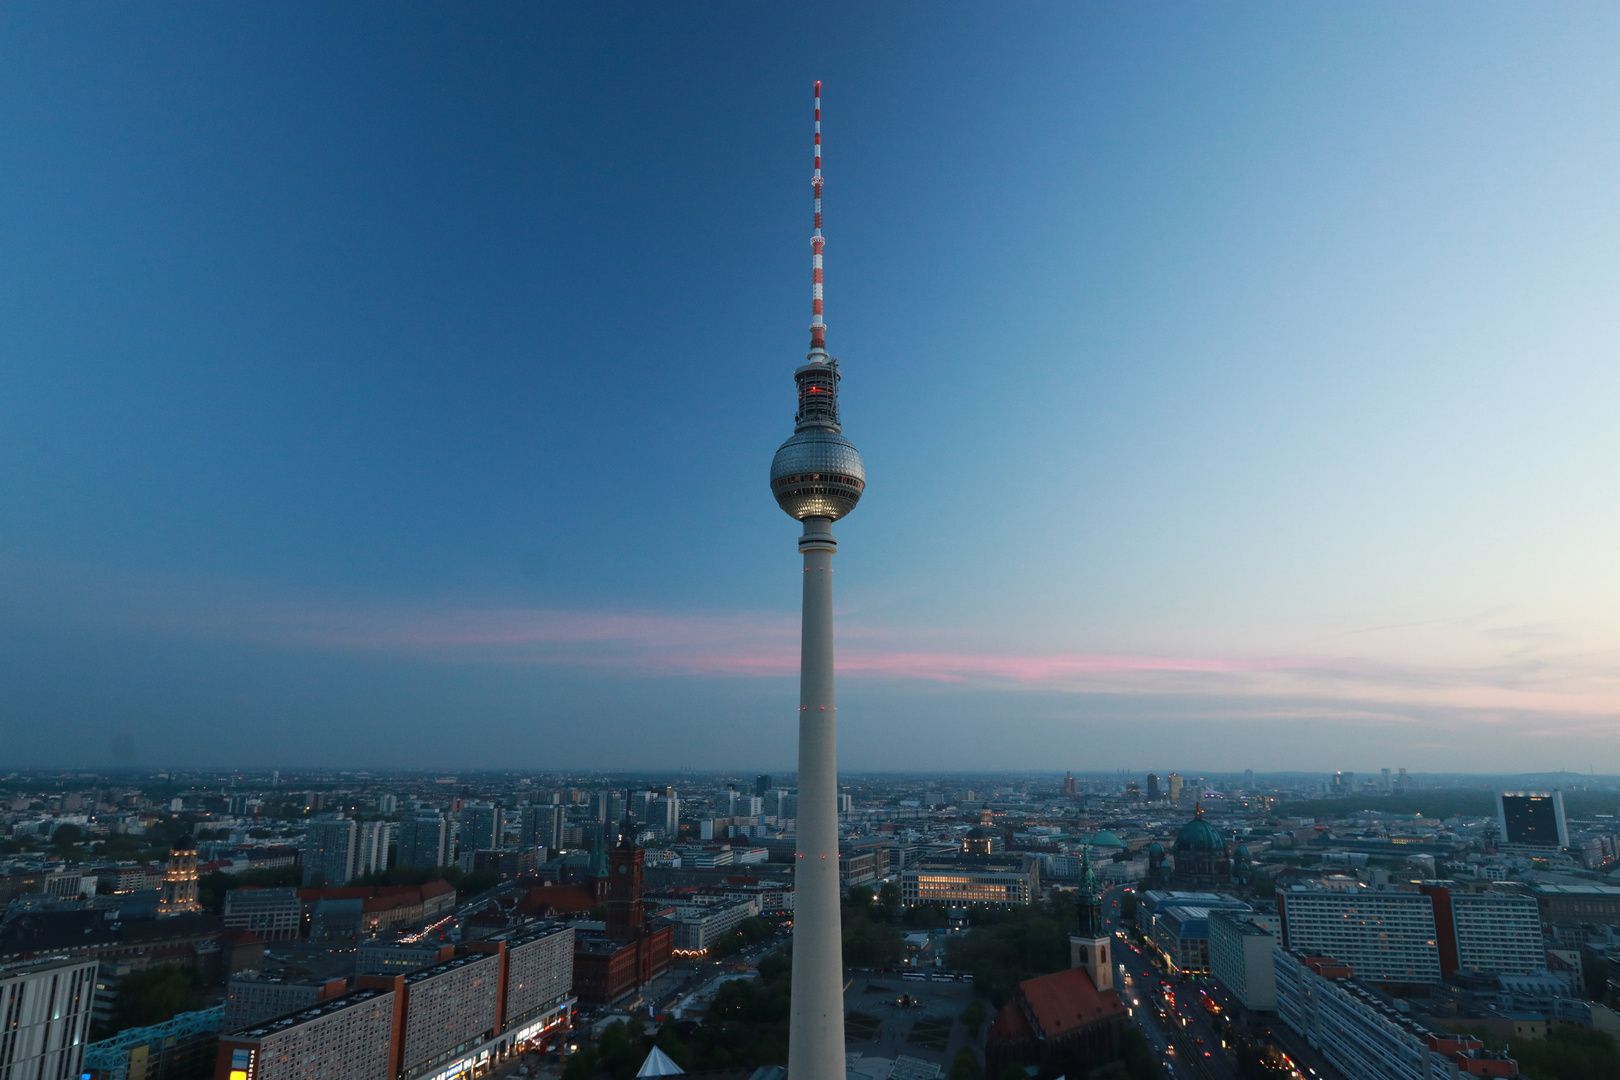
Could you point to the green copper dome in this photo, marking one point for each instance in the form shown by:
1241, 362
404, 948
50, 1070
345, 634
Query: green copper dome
1199, 836
1106, 839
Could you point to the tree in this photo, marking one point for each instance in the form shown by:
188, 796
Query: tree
966, 1065
1568, 1053
973, 1017
1025, 943
150, 997
1137, 1055
67, 835
889, 900
582, 1064
868, 943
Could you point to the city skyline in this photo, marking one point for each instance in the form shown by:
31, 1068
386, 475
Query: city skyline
350, 361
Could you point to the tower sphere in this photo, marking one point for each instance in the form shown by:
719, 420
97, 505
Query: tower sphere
817, 473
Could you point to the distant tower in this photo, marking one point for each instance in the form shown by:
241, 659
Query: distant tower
180, 879
817, 477
1088, 943
1152, 787
622, 892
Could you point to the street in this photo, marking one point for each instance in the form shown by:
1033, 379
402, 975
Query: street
1171, 1013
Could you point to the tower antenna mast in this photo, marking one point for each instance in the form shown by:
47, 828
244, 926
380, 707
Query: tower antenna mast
818, 328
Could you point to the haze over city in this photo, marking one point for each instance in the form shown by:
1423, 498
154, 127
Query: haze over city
395, 388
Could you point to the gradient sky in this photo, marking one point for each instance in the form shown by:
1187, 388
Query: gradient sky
393, 385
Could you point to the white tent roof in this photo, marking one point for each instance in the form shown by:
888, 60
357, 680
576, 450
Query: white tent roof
659, 1064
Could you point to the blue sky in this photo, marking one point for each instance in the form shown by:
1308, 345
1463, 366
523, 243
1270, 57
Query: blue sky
395, 385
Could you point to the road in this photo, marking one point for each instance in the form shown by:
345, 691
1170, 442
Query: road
1171, 1013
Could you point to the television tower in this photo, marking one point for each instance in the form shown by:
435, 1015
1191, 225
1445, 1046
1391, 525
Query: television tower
817, 477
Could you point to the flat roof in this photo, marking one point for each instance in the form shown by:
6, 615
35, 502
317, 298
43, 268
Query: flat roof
304, 1016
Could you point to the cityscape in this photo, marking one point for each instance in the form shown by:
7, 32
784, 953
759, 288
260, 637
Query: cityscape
400, 640
1395, 924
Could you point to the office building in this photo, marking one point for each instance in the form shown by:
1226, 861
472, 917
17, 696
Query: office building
1493, 932
1152, 787
1343, 784
1383, 935
699, 926
762, 784
1362, 1033
817, 478
1571, 904
1173, 786
1240, 958
273, 914
424, 840
1532, 819
449, 1007
45, 1008
330, 845
994, 881
542, 826
480, 828
378, 957
352, 1036
252, 998
539, 979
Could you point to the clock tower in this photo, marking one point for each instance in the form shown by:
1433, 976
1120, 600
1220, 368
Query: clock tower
624, 914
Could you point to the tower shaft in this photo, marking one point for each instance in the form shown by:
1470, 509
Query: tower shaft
816, 1033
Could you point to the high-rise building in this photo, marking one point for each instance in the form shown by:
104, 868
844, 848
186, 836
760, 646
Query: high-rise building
46, 1006
1532, 819
1493, 932
1173, 784
372, 842
180, 879
542, 825
817, 477
424, 840
1240, 958
762, 784
1152, 787
1343, 783
1403, 783
329, 851
1248, 779
1382, 935
1385, 784
387, 804
668, 814
480, 827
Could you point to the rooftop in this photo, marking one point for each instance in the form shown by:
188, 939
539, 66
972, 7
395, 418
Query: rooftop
314, 1012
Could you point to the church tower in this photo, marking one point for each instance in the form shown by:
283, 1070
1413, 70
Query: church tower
1089, 946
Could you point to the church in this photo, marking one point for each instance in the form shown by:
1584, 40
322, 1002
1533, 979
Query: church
1069, 1022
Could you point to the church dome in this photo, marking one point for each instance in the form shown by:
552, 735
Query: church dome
1106, 839
1241, 852
1199, 836
1155, 848
979, 832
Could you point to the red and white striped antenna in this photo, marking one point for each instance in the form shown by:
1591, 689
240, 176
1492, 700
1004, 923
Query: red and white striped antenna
818, 328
